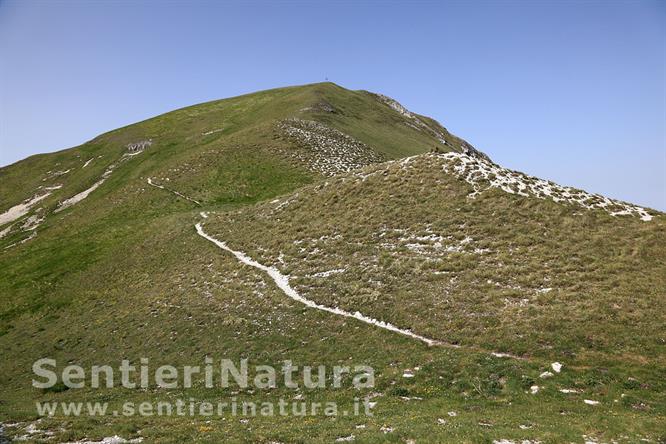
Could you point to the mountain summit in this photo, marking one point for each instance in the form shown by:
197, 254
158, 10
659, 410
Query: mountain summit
319, 225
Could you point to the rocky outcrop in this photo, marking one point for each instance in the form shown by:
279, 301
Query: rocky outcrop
137, 147
435, 130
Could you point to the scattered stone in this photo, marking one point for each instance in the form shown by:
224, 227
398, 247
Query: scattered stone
482, 174
508, 441
569, 390
327, 150
110, 440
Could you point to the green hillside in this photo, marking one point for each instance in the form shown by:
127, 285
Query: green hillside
228, 152
333, 189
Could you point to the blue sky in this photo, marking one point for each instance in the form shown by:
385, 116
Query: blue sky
572, 91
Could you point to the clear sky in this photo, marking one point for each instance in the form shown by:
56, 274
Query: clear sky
572, 91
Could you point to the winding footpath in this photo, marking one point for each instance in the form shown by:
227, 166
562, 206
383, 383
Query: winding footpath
150, 182
282, 282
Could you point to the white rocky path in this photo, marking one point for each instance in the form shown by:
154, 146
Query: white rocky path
161, 187
282, 282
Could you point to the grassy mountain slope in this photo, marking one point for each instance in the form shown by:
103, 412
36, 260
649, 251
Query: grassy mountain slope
123, 274
488, 269
228, 152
